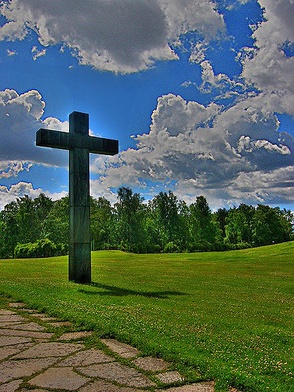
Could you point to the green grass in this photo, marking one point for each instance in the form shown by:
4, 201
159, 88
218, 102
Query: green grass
224, 316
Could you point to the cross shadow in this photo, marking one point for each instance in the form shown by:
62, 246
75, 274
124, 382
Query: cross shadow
120, 292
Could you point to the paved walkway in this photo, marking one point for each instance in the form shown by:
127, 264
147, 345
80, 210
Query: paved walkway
35, 356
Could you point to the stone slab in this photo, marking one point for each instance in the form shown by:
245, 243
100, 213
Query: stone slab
48, 319
170, 377
11, 386
17, 304
6, 311
28, 334
151, 364
29, 327
34, 390
75, 335
104, 386
11, 318
59, 378
6, 352
59, 324
23, 368
13, 340
197, 387
28, 310
86, 357
117, 373
50, 349
123, 349
9, 324
39, 315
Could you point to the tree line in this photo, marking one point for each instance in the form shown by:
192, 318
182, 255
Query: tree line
40, 227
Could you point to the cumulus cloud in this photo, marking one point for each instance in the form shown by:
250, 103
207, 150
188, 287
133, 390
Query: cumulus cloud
204, 149
119, 36
226, 153
20, 119
221, 83
13, 168
38, 53
11, 53
9, 194
267, 66
208, 149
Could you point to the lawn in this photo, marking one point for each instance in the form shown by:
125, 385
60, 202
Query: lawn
223, 316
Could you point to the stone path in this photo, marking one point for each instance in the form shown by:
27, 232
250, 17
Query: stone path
35, 359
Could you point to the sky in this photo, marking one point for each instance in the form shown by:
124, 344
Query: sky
198, 93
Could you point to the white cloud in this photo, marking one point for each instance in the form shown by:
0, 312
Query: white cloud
9, 194
38, 53
245, 144
119, 36
11, 53
190, 148
268, 67
13, 168
203, 149
233, 153
220, 82
20, 119
189, 15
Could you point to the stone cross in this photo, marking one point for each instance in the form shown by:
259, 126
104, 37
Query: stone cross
79, 144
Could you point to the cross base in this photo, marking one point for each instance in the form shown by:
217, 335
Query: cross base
79, 270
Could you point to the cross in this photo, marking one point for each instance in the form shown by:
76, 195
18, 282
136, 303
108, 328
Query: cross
79, 144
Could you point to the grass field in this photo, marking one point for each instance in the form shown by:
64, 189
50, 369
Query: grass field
224, 316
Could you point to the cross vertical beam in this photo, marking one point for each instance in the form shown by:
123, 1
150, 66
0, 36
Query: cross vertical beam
79, 204
79, 144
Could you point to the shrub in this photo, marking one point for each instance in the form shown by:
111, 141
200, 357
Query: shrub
171, 247
41, 248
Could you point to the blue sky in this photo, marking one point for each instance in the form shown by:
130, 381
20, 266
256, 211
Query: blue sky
198, 93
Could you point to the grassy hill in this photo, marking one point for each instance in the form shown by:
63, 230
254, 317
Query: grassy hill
223, 316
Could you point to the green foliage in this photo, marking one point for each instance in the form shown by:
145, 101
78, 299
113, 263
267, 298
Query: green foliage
55, 225
130, 215
22, 222
102, 221
205, 231
171, 247
225, 315
164, 224
40, 248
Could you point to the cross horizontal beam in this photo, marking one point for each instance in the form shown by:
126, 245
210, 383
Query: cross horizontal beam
68, 141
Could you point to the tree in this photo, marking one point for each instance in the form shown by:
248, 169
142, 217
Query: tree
204, 228
42, 205
102, 224
239, 225
165, 211
130, 216
41, 227
271, 225
56, 225
22, 221
221, 216
9, 229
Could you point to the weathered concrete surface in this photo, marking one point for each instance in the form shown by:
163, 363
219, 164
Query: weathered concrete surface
75, 335
124, 350
150, 364
170, 377
59, 378
86, 358
119, 373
